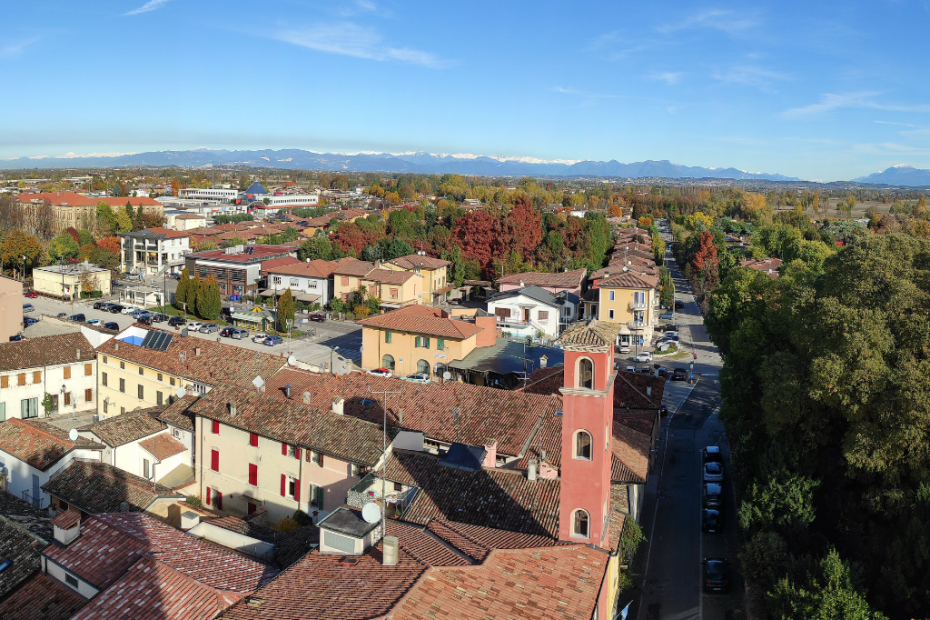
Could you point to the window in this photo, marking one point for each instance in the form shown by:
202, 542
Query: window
4, 382
295, 282
583, 445
543, 315
172, 381
610, 314
21, 379
29, 408
103, 379
88, 395
141, 371
581, 524
422, 342
387, 362
290, 487
2, 412
215, 460
316, 497
253, 440
610, 295
276, 280
37, 376
159, 398
105, 403
440, 344
145, 469
71, 580
67, 398
253, 474
67, 371
585, 373
88, 370
140, 391
423, 367
503, 313
122, 365
387, 337
344, 281
160, 377
104, 360
639, 297
215, 427
393, 293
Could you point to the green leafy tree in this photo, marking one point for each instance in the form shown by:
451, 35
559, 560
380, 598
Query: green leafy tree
667, 294
85, 237
180, 295
209, 302
316, 248
63, 247
192, 296
286, 310
123, 221
107, 221
18, 245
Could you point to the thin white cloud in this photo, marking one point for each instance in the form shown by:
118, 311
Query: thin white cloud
15, 48
358, 7
151, 5
348, 39
585, 93
669, 77
751, 76
715, 19
861, 100
891, 123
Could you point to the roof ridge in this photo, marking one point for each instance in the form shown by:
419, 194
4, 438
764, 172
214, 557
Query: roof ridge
24, 424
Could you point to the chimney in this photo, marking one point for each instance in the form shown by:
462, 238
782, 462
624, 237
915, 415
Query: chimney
78, 355
339, 405
521, 284
116, 346
490, 459
197, 351
67, 526
189, 519
124, 506
232, 409
531, 473
400, 417
306, 398
391, 548
543, 361
287, 390
542, 455
649, 391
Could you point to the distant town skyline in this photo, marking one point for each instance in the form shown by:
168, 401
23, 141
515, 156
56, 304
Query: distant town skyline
823, 91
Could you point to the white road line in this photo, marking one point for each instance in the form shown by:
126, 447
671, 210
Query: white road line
701, 536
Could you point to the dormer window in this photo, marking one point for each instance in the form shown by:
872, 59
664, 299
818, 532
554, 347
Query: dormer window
583, 444
581, 524
586, 374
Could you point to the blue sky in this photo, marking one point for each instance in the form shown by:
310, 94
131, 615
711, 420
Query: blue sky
820, 90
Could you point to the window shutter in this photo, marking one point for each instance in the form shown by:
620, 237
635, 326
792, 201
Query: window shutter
321, 460
283, 449
216, 427
215, 460
208, 496
67, 370
283, 485
219, 499
426, 342
297, 454
253, 474
297, 490
88, 370
253, 440
417, 343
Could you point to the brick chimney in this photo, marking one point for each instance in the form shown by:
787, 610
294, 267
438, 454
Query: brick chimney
67, 527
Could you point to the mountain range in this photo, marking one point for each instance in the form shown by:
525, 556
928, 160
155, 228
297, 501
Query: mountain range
898, 175
413, 162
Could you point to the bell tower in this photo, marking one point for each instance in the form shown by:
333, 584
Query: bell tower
587, 431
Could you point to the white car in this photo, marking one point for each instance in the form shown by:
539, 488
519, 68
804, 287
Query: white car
417, 377
645, 356
93, 321
381, 372
624, 348
129, 309
259, 337
194, 327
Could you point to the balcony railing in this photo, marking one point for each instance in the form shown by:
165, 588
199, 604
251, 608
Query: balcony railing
637, 324
638, 305
35, 501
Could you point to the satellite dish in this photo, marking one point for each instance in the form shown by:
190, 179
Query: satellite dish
447, 375
73, 434
258, 382
371, 513
291, 361
181, 393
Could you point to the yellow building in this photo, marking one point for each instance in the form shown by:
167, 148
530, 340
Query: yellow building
433, 271
629, 299
138, 370
421, 339
67, 281
347, 276
394, 288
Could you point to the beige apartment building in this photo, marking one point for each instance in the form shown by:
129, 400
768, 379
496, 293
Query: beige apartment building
72, 209
11, 308
433, 271
395, 288
66, 281
631, 300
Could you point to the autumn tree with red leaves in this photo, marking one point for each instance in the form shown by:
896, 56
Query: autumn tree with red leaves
110, 244
478, 233
706, 263
74, 234
522, 229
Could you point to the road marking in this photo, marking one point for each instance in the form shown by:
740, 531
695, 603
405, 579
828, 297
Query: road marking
701, 535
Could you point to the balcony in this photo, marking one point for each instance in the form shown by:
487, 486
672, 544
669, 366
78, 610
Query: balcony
638, 305
637, 325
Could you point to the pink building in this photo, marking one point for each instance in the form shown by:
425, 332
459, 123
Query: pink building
11, 308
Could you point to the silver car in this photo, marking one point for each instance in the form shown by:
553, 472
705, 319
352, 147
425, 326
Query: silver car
209, 328
713, 472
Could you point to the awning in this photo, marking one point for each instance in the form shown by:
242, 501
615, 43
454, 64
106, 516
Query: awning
270, 292
307, 298
250, 318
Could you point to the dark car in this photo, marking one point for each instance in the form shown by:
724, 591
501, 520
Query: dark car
29, 321
712, 454
713, 495
61, 315
176, 321
716, 575
101, 305
144, 319
116, 309
679, 305
158, 317
318, 318
227, 311
111, 325
16, 338
712, 521
80, 318
227, 332
680, 374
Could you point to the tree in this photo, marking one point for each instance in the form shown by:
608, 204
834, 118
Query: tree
209, 302
111, 244
645, 221
85, 237
522, 229
478, 234
107, 222
88, 283
180, 295
18, 245
63, 247
286, 311
316, 248
698, 221
123, 221
667, 294
71, 230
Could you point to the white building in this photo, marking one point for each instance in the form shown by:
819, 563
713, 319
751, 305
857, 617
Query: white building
149, 250
32, 451
183, 220
309, 281
212, 193
533, 311
63, 366
269, 206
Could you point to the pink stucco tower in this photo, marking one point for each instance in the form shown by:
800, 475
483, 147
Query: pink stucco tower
587, 429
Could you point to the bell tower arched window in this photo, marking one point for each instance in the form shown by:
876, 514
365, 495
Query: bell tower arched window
581, 524
583, 445
586, 373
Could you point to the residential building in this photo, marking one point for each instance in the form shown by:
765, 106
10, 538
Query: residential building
143, 368
629, 298
270, 206
66, 281
395, 289
209, 193
154, 251
314, 225
566, 281
63, 366
768, 266
74, 210
347, 276
41, 598
183, 220
308, 281
533, 311
11, 308
32, 451
433, 272
505, 364
421, 339
237, 270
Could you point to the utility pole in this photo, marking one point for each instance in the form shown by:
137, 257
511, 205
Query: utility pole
384, 458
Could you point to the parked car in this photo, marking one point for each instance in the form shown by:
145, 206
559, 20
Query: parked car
663, 409
194, 326
716, 575
381, 372
624, 348
259, 337
713, 495
101, 305
713, 472
226, 332
61, 315
159, 317
16, 338
417, 377
667, 316
646, 370
28, 308
318, 318
271, 341
111, 325
209, 328
29, 321
645, 356
662, 371
239, 334
177, 321
173, 276
116, 308
227, 311
680, 374
712, 521
30, 294
80, 318
712, 454
128, 309
93, 321
679, 304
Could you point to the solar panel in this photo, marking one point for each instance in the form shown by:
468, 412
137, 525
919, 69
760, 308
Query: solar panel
157, 340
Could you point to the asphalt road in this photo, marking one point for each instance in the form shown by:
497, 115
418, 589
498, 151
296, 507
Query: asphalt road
668, 565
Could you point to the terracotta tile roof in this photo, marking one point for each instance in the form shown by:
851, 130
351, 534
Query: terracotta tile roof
46, 351
630, 279
176, 414
41, 598
24, 514
259, 253
342, 436
630, 455
619, 509
248, 528
216, 362
496, 498
557, 583
768, 266
631, 390
67, 519
76, 200
40, 444
296, 545
152, 590
642, 421
548, 440
592, 334
111, 543
414, 261
128, 427
162, 446
544, 380
168, 233
325, 587
96, 487
477, 542
564, 279
389, 276
23, 549
423, 546
282, 262
190, 216
414, 322
314, 269
353, 267
485, 414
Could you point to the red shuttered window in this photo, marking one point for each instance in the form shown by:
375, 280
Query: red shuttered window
297, 454
219, 500
253, 474
253, 440
297, 490
208, 495
283, 485
284, 449
215, 460
216, 427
